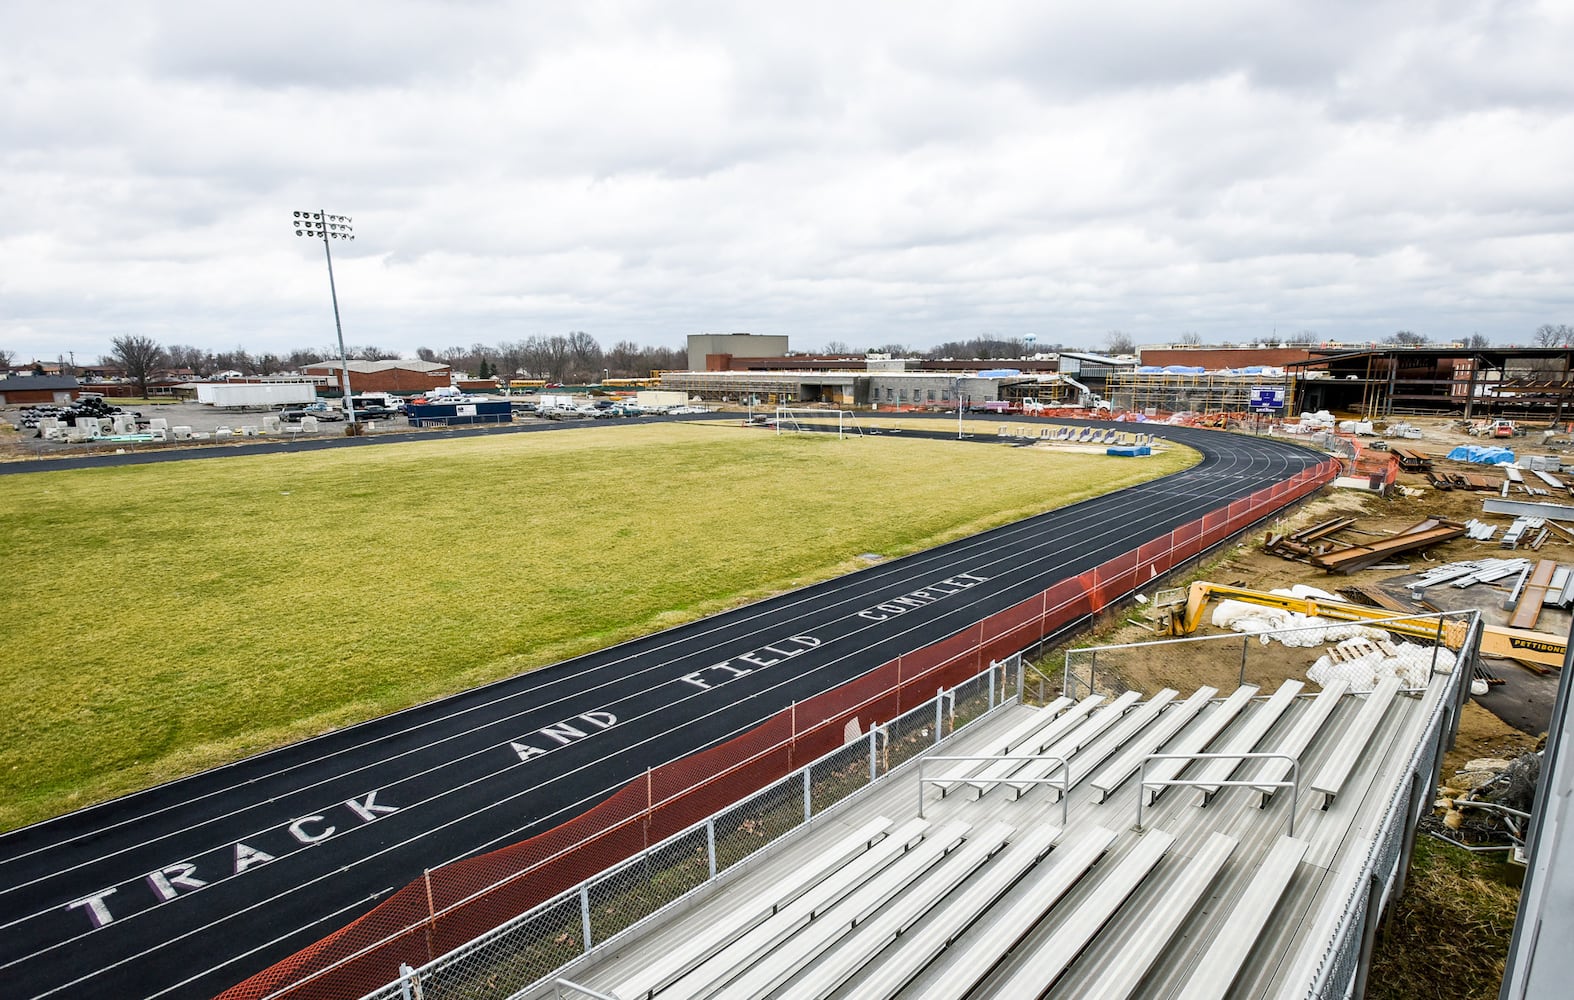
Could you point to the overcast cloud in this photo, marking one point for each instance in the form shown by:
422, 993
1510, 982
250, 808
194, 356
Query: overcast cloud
863, 172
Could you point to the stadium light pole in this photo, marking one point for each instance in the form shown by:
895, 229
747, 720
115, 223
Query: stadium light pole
325, 227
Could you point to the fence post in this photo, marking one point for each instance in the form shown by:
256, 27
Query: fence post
1245, 645
710, 843
406, 974
808, 798
939, 713
584, 913
1022, 678
992, 666
874, 767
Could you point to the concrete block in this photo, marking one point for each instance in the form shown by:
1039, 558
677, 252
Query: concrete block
158, 424
308, 425
223, 434
181, 433
270, 424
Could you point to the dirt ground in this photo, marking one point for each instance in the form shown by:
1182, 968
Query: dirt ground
1502, 723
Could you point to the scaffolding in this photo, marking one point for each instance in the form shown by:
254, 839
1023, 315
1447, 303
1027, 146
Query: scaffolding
836, 388
1209, 392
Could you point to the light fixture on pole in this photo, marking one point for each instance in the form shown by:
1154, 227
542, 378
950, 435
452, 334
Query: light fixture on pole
325, 227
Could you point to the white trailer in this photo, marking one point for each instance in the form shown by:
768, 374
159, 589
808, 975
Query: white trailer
660, 399
256, 394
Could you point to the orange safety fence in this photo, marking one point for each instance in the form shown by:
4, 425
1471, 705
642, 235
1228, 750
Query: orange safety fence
452, 905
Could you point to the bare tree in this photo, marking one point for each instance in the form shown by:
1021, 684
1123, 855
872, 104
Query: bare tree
371, 353
6, 357
139, 356
1407, 338
1554, 335
584, 354
836, 347
1300, 338
1191, 338
303, 356
1118, 342
1477, 342
426, 354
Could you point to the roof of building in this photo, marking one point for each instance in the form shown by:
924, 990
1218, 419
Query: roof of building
22, 383
368, 367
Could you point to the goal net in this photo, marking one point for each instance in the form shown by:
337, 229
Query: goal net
802, 421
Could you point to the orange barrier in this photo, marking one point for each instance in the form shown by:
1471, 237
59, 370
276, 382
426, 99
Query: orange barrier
459, 902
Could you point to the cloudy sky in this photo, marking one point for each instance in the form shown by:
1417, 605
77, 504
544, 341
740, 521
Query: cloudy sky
865, 172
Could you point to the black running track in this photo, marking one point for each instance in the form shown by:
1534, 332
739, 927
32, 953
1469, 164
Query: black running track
186, 889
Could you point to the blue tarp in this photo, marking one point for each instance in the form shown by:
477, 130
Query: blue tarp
1129, 450
1482, 454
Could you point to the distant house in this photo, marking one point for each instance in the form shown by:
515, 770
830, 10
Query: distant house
22, 390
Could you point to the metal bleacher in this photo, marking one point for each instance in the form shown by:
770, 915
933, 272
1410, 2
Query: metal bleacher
995, 896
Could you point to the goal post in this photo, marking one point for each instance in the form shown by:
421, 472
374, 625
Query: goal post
799, 420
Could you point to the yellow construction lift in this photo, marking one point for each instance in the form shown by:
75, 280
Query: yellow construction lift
1180, 612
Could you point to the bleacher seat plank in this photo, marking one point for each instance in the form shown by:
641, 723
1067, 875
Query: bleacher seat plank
1245, 739
1130, 758
1215, 972
965, 970
1035, 744
1070, 744
877, 933
1087, 760
1300, 737
808, 882
1336, 769
776, 966
1016, 736
1196, 740
1126, 969
919, 948
1040, 969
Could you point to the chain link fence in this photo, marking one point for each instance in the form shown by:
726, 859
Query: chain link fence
426, 919
524, 951
1261, 659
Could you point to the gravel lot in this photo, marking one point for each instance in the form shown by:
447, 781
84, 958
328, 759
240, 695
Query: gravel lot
22, 444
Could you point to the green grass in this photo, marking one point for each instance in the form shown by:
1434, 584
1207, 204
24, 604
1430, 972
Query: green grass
1447, 937
165, 618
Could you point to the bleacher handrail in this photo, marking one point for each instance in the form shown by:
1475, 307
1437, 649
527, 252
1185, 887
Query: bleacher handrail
1294, 781
1064, 781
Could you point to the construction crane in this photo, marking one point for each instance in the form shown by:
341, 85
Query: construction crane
1179, 612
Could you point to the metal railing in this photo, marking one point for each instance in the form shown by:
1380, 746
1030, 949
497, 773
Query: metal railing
526, 951
1146, 782
1064, 781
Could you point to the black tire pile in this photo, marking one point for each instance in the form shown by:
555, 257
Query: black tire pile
32, 415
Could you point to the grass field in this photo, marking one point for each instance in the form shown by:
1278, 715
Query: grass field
161, 619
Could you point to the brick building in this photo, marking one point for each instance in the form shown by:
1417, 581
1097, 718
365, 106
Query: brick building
23, 390
398, 376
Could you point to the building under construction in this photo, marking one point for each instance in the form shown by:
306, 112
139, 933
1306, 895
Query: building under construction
1152, 392
1523, 382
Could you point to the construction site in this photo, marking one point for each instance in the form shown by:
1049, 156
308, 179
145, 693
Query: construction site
1305, 766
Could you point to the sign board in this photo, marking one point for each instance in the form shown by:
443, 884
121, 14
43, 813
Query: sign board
465, 410
1267, 398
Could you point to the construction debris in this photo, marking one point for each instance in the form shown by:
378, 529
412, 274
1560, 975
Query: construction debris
1463, 481
1317, 546
1487, 803
1411, 460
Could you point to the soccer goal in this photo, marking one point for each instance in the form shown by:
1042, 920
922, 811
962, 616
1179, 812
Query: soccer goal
803, 421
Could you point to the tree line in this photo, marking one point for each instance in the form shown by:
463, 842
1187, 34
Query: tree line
573, 357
